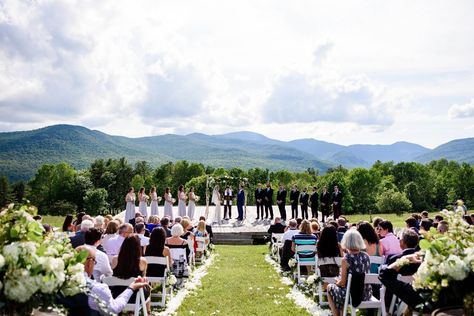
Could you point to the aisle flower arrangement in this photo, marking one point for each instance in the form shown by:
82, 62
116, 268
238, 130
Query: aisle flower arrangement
447, 271
35, 267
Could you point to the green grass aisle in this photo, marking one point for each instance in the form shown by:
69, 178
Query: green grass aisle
240, 282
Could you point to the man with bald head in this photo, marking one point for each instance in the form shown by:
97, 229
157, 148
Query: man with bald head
112, 247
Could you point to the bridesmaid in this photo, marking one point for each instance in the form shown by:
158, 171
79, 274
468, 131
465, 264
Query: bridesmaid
154, 202
142, 207
130, 209
181, 201
192, 203
168, 203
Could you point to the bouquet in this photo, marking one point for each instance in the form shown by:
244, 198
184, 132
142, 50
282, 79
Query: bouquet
447, 268
196, 198
159, 199
173, 200
35, 268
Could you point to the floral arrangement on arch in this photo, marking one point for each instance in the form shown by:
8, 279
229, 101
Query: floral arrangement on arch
448, 266
35, 267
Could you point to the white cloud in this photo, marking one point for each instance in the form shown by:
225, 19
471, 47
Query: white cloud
462, 111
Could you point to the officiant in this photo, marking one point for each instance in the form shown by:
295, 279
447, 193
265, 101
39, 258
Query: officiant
228, 196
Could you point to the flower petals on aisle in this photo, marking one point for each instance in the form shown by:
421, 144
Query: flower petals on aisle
296, 295
191, 285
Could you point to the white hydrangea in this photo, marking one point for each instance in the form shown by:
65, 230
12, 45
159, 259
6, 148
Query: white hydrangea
11, 252
172, 280
311, 279
453, 267
49, 283
2, 261
20, 286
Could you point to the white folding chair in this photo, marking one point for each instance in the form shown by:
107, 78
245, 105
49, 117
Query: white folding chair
140, 301
302, 260
370, 278
154, 279
376, 260
402, 306
192, 255
328, 280
277, 244
201, 243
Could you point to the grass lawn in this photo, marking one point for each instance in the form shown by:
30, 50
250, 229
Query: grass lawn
56, 221
240, 282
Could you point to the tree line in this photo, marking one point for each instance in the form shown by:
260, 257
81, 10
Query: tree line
386, 187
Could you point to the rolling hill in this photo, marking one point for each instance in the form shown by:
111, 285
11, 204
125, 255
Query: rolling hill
22, 153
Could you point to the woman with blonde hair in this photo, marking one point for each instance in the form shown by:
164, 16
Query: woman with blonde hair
354, 262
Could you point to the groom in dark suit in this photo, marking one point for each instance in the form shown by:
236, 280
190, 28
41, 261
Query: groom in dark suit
240, 203
269, 201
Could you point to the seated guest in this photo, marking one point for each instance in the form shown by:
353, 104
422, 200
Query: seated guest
304, 237
327, 250
68, 227
277, 227
141, 220
200, 231
110, 231
373, 247
408, 244
177, 220
140, 230
107, 219
390, 242
165, 221
208, 228
355, 262
153, 221
438, 218
425, 226
129, 262
187, 234
102, 266
412, 223
315, 229
424, 215
375, 224
102, 292
133, 220
287, 241
99, 222
157, 248
442, 227
78, 239
178, 247
341, 228
112, 247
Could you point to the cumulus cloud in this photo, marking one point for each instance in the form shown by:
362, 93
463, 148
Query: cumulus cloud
462, 111
321, 95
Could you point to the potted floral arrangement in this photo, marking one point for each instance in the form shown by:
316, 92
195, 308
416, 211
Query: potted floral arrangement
35, 268
446, 274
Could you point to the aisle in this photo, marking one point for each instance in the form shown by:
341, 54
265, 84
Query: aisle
240, 282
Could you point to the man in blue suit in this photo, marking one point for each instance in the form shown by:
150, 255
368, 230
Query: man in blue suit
240, 203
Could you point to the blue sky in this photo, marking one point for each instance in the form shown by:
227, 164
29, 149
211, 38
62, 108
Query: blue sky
341, 71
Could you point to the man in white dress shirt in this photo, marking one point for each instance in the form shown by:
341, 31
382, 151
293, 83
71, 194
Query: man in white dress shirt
102, 267
114, 243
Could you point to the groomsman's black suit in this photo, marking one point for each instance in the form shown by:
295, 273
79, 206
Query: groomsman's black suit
337, 204
304, 197
259, 201
281, 196
325, 198
294, 196
313, 202
268, 202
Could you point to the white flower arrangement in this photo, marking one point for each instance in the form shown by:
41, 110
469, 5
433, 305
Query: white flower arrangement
292, 263
173, 200
35, 268
171, 279
196, 198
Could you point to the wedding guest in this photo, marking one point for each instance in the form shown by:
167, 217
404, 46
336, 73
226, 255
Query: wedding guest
133, 220
154, 202
110, 232
208, 228
268, 198
337, 202
325, 199
140, 230
259, 201
129, 261
304, 236
168, 209
112, 247
165, 221
130, 207
77, 222
157, 248
294, 196
102, 267
425, 225
187, 234
277, 227
313, 202
78, 239
101, 291
373, 247
442, 226
287, 241
99, 222
178, 247
281, 201
107, 219
68, 227
304, 198
390, 242
315, 229
200, 231
153, 222
355, 262
192, 203
328, 249
142, 205
141, 220
341, 227
411, 223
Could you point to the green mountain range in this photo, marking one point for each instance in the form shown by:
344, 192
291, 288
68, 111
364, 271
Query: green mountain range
22, 153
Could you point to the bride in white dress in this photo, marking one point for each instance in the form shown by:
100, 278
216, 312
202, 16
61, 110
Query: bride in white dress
192, 203
168, 203
181, 201
216, 199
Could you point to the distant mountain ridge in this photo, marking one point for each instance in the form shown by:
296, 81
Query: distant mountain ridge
22, 153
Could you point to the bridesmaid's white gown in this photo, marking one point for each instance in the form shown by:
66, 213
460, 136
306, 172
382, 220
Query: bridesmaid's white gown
168, 206
142, 207
154, 204
191, 207
182, 204
130, 209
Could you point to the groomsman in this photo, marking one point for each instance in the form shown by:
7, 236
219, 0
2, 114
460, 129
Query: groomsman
281, 200
325, 198
269, 201
294, 196
313, 200
259, 200
240, 203
228, 202
304, 204
337, 202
